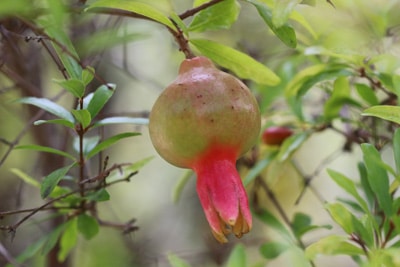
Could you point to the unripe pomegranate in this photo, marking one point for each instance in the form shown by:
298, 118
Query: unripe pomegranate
204, 121
275, 135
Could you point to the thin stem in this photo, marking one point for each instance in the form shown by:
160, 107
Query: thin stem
194, 11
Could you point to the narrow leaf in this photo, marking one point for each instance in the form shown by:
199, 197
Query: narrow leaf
240, 63
99, 99
389, 113
367, 94
108, 142
63, 122
133, 6
25, 177
52, 238
49, 106
51, 180
88, 144
269, 219
121, 120
349, 186
177, 192
122, 173
99, 195
88, 74
290, 145
46, 149
377, 177
87, 226
282, 11
258, 168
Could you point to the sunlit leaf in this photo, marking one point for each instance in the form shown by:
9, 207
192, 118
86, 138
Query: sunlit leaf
219, 16
46, 149
396, 150
87, 226
121, 120
333, 245
377, 177
133, 6
51, 180
237, 258
68, 240
240, 63
49, 106
99, 99
389, 113
108, 142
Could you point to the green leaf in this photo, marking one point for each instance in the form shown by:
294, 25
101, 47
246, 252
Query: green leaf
396, 84
377, 177
51, 180
333, 245
179, 22
367, 94
271, 250
87, 226
74, 86
240, 63
365, 184
88, 74
177, 192
121, 120
237, 257
340, 96
290, 145
258, 168
30, 251
133, 6
175, 261
68, 239
88, 144
282, 11
56, 121
108, 142
349, 186
52, 238
342, 216
389, 113
46, 149
82, 116
269, 219
301, 224
308, 77
49, 106
285, 32
25, 177
219, 16
396, 150
99, 99
98, 196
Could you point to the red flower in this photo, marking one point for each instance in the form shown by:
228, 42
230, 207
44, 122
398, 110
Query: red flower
222, 194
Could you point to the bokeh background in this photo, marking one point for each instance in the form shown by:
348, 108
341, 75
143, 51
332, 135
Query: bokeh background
145, 63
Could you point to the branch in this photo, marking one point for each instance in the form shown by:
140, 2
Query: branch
193, 11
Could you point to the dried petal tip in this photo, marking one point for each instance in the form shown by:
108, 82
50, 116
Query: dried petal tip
222, 194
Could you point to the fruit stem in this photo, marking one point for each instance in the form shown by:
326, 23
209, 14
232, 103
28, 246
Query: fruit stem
182, 41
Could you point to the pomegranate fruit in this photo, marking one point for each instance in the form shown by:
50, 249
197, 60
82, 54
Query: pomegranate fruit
204, 121
275, 135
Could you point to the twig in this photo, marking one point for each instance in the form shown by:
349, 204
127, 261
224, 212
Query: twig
195, 10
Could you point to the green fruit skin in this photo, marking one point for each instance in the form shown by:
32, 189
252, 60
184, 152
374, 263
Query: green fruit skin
203, 108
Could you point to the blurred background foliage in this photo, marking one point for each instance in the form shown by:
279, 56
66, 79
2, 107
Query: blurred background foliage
141, 57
